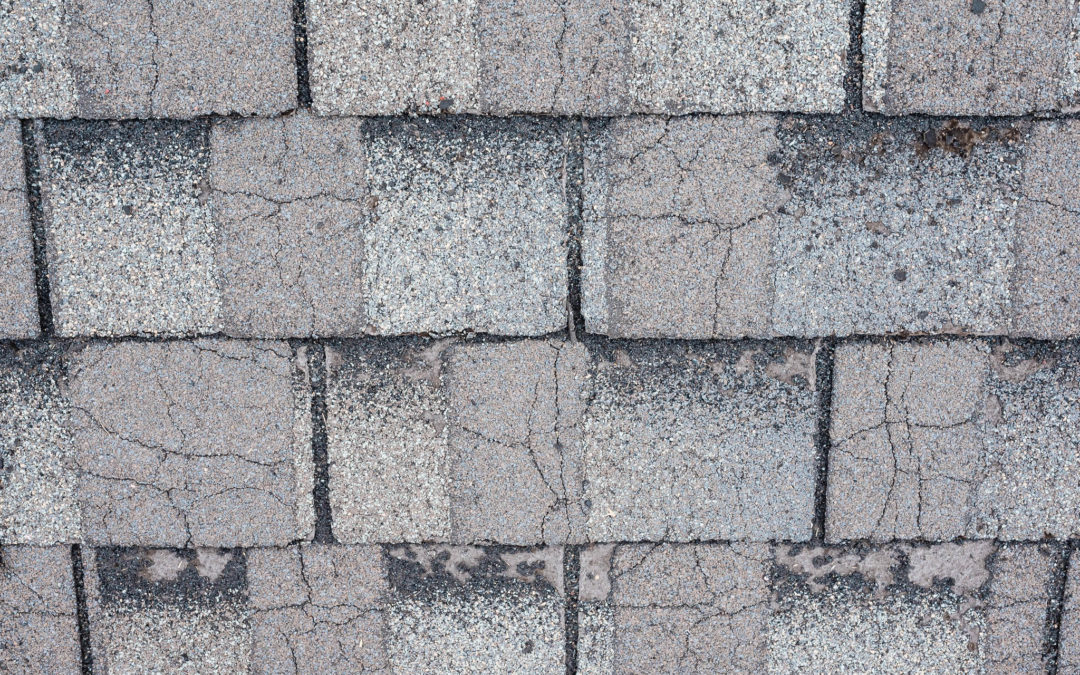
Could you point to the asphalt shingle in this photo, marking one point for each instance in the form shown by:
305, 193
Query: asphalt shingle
38, 632
959, 438
382, 57
123, 59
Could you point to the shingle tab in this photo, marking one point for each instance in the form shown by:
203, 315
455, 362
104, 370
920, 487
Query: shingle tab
38, 502
970, 58
756, 226
118, 59
959, 438
38, 631
18, 297
972, 606
203, 443
131, 240
685, 441
446, 441
379, 57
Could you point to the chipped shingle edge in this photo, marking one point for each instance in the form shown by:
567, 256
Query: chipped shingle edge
300, 40
32, 168
571, 579
82, 614
823, 438
324, 521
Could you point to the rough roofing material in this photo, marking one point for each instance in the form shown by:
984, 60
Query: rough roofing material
503, 336
970, 58
384, 57
122, 59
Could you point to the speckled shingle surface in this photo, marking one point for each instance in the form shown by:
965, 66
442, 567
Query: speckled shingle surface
502, 336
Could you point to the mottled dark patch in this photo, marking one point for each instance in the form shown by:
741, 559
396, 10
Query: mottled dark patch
123, 580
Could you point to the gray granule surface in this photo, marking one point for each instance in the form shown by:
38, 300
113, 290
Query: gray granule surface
38, 502
201, 443
444, 197
379, 57
683, 441
131, 239
969, 607
162, 610
970, 58
946, 439
38, 632
387, 442
891, 229
471, 610
121, 59
18, 297
443, 441
678, 226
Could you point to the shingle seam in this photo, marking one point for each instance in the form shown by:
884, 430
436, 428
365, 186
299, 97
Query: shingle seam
324, 528
39, 238
300, 38
82, 614
823, 370
1055, 608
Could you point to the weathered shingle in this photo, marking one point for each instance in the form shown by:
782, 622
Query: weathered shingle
18, 298
959, 438
122, 59
967, 607
970, 58
733, 227
38, 632
379, 57
202, 443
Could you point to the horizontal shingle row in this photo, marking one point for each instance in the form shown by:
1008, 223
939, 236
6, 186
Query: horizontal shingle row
694, 227
186, 58
529, 442
959, 607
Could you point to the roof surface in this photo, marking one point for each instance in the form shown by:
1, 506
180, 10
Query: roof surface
492, 336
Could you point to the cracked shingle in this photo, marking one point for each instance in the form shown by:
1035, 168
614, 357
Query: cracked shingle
18, 298
446, 441
700, 227
967, 607
379, 57
679, 222
970, 58
203, 443
38, 631
146, 58
958, 438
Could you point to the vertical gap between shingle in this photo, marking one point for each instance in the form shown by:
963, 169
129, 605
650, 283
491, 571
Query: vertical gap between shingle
82, 615
300, 38
1054, 609
32, 168
853, 77
823, 441
574, 183
571, 575
324, 524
